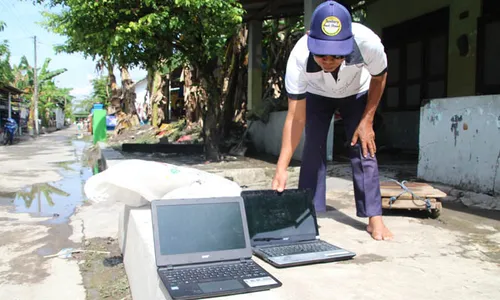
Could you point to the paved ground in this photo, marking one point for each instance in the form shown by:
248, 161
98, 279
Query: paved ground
35, 175
455, 256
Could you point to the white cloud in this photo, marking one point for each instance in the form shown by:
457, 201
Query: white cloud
81, 91
15, 59
91, 76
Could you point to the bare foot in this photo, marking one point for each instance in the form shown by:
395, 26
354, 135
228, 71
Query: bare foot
378, 230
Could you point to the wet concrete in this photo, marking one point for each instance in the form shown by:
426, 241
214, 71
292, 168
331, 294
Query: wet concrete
40, 189
56, 200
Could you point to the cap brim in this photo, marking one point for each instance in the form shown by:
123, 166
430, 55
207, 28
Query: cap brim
323, 47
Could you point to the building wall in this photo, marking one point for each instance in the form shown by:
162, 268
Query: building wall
461, 70
460, 144
140, 92
59, 118
400, 130
266, 137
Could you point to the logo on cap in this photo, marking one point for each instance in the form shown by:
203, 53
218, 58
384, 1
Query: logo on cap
331, 26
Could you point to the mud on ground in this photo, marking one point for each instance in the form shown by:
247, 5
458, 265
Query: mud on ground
103, 275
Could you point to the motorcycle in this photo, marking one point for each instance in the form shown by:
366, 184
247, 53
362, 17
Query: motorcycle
9, 130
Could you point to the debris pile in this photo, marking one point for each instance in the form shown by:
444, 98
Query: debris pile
144, 134
173, 133
181, 133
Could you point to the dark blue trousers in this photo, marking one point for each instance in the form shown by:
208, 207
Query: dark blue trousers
365, 175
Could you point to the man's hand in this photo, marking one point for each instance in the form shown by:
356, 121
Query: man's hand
365, 134
279, 180
292, 132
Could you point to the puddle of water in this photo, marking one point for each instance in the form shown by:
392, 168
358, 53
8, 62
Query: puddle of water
44, 251
56, 200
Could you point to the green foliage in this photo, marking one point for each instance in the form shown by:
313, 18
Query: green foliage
24, 78
100, 90
359, 15
49, 95
151, 34
99, 95
146, 33
6, 75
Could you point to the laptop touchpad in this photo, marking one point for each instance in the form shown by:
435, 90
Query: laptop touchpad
218, 286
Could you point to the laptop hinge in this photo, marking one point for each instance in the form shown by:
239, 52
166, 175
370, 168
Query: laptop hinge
243, 260
170, 267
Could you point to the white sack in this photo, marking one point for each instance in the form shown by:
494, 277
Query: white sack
138, 182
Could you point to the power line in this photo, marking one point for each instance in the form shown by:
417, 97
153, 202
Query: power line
13, 12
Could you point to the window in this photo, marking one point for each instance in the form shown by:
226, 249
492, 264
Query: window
488, 49
417, 53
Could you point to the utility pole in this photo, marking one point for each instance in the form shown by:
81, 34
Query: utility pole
9, 113
35, 94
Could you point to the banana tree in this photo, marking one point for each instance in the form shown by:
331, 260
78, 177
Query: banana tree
36, 191
24, 80
50, 98
6, 75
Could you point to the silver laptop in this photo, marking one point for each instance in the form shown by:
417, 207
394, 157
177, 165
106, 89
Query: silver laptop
284, 231
202, 248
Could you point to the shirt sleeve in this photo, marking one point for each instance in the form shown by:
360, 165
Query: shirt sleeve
375, 57
295, 76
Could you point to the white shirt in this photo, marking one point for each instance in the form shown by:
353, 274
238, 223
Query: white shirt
304, 75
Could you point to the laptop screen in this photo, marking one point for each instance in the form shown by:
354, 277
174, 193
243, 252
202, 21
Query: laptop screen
203, 227
273, 216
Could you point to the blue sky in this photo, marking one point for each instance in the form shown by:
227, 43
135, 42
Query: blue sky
21, 18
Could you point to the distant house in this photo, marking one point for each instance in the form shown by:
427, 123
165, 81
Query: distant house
142, 98
59, 117
442, 99
12, 106
436, 49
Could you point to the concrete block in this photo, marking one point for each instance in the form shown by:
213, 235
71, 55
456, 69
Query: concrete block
137, 245
459, 143
421, 251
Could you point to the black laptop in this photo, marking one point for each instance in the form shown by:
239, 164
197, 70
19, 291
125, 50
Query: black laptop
202, 248
284, 230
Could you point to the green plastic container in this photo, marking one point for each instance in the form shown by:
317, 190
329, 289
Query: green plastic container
99, 125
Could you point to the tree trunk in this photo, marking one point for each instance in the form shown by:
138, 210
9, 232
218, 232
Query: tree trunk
115, 101
166, 93
31, 119
195, 95
212, 127
155, 87
233, 94
126, 118
128, 92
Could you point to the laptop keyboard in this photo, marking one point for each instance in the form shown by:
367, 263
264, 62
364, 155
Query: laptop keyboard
211, 273
283, 250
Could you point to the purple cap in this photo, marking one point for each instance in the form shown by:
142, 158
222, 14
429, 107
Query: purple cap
331, 30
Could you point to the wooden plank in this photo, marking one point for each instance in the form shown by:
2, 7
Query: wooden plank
423, 189
424, 194
415, 190
420, 189
409, 204
408, 184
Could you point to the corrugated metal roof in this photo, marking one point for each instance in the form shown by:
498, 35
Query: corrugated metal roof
271, 9
11, 89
